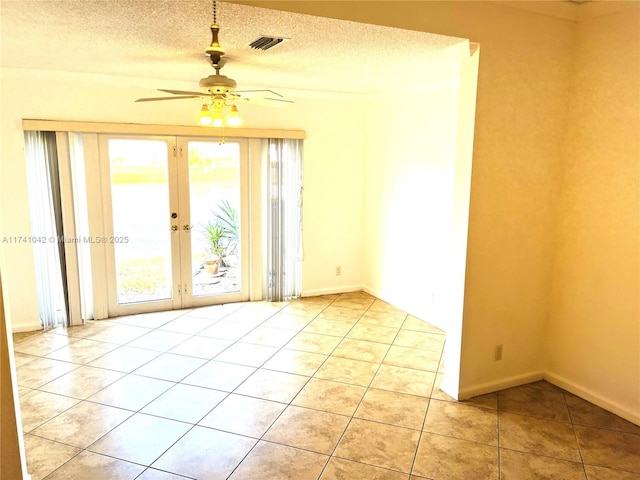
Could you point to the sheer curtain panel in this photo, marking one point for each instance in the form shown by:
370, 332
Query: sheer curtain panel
284, 192
46, 227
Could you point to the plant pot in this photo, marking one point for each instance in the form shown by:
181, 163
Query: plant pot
211, 265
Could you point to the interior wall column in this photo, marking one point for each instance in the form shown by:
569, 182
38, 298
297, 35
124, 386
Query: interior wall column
13, 462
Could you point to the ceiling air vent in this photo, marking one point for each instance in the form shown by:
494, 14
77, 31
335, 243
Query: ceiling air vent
266, 42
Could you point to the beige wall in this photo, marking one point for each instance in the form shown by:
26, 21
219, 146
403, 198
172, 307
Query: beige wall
333, 194
524, 92
409, 172
593, 335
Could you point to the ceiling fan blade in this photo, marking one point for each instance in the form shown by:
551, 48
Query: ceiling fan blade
284, 100
255, 91
267, 102
260, 100
182, 92
155, 99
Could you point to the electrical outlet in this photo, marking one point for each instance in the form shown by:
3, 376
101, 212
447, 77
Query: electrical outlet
338, 271
498, 353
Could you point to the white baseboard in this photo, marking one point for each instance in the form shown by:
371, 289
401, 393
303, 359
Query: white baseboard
430, 318
501, 384
331, 291
30, 327
373, 292
593, 397
558, 381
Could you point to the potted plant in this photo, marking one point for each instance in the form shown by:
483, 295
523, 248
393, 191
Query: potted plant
221, 234
214, 234
227, 218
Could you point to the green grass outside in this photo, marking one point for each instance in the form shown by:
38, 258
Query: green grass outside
142, 276
122, 175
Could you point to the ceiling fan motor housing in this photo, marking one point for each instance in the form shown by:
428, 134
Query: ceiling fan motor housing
218, 84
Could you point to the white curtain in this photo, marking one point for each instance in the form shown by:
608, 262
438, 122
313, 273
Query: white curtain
81, 219
284, 192
46, 226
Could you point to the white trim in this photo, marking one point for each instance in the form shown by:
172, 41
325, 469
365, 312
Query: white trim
557, 380
245, 219
331, 290
176, 238
373, 292
593, 397
169, 130
255, 217
451, 306
500, 384
181, 244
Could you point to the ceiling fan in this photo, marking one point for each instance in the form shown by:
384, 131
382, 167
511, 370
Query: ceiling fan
219, 91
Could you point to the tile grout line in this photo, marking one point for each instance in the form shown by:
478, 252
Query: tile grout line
343, 337
500, 404
192, 426
332, 455
575, 436
424, 420
134, 412
83, 449
287, 404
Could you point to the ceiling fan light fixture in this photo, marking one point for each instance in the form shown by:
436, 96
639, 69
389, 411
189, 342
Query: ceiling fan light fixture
204, 117
234, 119
219, 114
217, 120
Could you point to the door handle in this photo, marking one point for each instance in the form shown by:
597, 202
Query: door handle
186, 228
174, 228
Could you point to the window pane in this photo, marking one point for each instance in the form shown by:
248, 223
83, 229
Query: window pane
141, 220
214, 184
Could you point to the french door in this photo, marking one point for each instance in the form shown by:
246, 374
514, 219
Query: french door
176, 222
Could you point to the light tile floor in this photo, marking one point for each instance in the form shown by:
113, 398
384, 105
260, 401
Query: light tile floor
335, 387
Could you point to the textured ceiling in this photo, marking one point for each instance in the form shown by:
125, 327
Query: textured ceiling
165, 40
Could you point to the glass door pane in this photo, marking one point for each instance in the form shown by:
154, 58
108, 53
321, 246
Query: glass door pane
141, 221
214, 199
